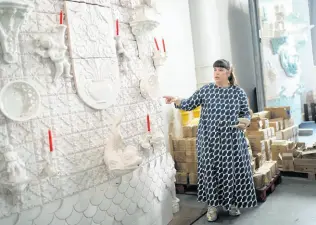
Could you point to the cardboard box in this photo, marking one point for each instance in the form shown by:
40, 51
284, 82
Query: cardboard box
194, 131
257, 146
267, 148
190, 156
255, 124
265, 123
191, 145
258, 135
187, 131
258, 180
192, 167
253, 166
179, 144
263, 115
181, 178
280, 112
180, 156
287, 161
193, 178
288, 123
272, 132
259, 159
275, 125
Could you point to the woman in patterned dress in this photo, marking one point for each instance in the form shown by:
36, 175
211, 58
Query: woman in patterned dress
224, 166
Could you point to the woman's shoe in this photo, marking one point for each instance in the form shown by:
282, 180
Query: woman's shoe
211, 214
234, 211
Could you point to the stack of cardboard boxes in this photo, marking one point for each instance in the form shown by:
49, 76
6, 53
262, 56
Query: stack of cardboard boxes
184, 153
271, 135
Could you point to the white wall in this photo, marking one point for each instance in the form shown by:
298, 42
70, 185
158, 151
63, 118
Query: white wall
86, 193
178, 78
230, 39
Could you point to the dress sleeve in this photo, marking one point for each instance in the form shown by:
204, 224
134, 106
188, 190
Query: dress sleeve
190, 103
244, 106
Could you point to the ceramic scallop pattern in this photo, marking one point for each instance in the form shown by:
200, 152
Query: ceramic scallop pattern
136, 198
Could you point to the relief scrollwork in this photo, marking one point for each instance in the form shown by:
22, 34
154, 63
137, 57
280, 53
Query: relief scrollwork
13, 13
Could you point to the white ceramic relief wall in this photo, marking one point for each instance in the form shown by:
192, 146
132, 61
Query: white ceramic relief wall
81, 88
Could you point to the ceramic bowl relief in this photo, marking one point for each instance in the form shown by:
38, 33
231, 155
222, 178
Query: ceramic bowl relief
19, 101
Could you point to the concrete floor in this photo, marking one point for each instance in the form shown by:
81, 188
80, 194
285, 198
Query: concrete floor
292, 203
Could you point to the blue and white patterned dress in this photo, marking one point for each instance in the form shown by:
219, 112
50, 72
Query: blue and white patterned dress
224, 166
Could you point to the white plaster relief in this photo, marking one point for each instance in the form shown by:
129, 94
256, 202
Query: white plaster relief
14, 179
78, 194
123, 55
90, 30
97, 81
13, 14
119, 158
149, 87
159, 58
19, 101
55, 49
145, 19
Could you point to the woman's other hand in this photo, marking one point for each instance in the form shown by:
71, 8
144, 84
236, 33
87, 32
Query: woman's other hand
170, 99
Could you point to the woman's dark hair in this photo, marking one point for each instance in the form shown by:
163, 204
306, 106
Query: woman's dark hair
222, 63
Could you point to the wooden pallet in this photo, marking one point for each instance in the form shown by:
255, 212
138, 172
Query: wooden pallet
300, 174
263, 192
187, 189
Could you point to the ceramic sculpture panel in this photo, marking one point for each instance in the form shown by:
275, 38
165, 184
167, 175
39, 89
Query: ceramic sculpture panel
72, 184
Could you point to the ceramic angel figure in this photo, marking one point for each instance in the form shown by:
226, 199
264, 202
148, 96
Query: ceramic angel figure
55, 49
15, 167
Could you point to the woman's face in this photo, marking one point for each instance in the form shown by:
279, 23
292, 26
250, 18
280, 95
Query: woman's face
221, 75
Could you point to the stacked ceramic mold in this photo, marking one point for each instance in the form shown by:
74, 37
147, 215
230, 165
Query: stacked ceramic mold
76, 87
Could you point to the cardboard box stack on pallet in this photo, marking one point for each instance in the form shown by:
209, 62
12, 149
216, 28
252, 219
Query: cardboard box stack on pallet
266, 128
297, 157
184, 153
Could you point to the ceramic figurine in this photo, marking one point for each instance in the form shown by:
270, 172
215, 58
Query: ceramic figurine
47, 47
15, 167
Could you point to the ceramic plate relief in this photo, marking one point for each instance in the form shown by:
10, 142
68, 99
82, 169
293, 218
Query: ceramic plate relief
19, 101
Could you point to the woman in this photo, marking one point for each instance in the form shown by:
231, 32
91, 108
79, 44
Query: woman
224, 167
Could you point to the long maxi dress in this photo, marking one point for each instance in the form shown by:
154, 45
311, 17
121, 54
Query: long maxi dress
224, 166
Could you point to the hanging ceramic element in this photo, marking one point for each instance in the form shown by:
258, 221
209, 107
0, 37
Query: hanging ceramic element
276, 43
146, 18
119, 158
150, 87
13, 14
53, 46
19, 101
290, 60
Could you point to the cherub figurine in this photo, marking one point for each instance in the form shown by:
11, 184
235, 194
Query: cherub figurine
15, 166
47, 47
